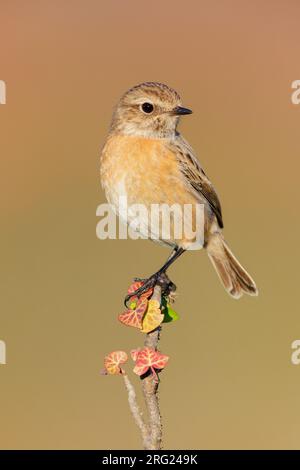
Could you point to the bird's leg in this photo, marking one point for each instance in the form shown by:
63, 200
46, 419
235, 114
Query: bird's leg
142, 279
160, 277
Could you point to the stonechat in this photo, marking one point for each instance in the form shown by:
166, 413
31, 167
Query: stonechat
147, 160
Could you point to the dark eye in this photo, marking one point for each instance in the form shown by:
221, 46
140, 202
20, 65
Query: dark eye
147, 108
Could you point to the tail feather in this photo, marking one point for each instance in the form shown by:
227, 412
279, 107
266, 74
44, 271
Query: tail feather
233, 276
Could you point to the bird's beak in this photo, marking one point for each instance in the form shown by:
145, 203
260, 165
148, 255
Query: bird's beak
180, 111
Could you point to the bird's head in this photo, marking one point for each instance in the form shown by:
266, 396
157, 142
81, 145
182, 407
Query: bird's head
150, 110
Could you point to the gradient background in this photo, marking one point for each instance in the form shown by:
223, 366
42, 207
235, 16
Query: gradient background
230, 382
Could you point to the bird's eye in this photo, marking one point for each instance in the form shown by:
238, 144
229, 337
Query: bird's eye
147, 108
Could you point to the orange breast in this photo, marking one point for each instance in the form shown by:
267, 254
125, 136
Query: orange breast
145, 171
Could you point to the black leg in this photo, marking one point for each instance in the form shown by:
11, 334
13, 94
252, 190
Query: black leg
158, 276
174, 255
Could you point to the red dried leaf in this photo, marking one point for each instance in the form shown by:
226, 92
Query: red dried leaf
135, 286
112, 362
134, 317
148, 358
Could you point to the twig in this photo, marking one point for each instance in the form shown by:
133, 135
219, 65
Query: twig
136, 413
150, 388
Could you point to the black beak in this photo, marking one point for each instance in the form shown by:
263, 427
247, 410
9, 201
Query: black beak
180, 111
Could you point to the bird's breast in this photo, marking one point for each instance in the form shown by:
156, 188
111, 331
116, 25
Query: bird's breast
143, 170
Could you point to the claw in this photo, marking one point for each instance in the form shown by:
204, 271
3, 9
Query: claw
148, 284
159, 278
139, 279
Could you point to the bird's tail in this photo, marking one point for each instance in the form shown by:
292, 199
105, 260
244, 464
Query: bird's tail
233, 276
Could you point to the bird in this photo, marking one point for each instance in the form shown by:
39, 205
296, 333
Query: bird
147, 160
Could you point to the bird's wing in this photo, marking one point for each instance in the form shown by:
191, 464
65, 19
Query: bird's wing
195, 176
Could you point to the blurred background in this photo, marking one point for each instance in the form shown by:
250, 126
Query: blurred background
230, 382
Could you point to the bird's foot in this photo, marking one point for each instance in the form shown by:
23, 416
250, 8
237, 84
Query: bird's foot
160, 278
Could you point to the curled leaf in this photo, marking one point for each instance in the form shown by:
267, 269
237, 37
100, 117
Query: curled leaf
112, 362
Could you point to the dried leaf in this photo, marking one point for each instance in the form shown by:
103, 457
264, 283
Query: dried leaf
112, 362
134, 287
148, 358
133, 317
153, 317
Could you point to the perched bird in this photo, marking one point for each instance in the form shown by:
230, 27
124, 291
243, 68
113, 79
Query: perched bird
146, 160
